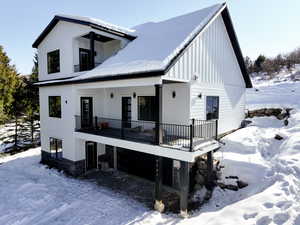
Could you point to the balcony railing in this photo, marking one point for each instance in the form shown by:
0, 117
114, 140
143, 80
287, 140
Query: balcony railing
184, 137
83, 67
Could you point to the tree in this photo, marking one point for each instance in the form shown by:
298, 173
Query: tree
31, 97
17, 106
258, 63
249, 64
8, 81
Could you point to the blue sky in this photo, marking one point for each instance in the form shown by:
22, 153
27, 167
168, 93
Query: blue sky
262, 26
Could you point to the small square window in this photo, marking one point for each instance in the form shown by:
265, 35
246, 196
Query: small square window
55, 106
53, 62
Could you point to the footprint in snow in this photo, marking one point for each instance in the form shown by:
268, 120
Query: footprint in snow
265, 220
283, 205
268, 205
250, 215
280, 218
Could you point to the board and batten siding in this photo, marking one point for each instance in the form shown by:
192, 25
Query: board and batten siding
211, 58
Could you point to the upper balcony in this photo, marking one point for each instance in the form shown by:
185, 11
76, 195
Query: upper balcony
92, 49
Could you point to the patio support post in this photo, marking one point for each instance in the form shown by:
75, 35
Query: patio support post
158, 205
210, 165
92, 50
184, 188
158, 113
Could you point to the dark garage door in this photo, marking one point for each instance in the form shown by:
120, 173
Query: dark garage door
143, 165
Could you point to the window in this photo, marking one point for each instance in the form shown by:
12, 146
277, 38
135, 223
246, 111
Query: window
212, 107
146, 107
56, 148
55, 106
53, 62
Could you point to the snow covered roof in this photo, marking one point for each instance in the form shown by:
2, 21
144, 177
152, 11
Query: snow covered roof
150, 52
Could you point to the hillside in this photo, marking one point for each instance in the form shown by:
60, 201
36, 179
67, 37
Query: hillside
32, 194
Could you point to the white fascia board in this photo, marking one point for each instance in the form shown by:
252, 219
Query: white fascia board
148, 148
151, 81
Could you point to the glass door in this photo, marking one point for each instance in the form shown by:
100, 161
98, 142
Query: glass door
126, 112
86, 112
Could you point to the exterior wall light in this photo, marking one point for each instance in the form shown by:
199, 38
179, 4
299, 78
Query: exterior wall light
111, 95
174, 94
134, 94
200, 95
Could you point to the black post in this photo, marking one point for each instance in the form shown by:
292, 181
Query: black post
96, 122
210, 166
92, 50
122, 129
184, 188
216, 137
158, 205
158, 113
191, 138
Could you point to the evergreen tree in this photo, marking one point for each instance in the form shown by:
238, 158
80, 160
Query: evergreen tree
8, 81
258, 63
31, 97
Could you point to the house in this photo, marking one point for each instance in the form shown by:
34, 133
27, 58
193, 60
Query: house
147, 100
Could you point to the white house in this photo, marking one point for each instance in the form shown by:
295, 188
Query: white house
147, 100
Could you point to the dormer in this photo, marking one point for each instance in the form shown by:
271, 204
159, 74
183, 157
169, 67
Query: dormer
71, 45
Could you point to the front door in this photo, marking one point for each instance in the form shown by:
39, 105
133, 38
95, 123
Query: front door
91, 155
86, 112
126, 111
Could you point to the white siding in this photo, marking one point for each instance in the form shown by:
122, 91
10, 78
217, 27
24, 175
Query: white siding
61, 128
211, 58
64, 37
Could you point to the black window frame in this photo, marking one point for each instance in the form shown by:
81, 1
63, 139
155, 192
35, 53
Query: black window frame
56, 149
211, 103
54, 104
143, 114
53, 65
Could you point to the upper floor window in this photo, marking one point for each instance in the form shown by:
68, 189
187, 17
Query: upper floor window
146, 106
212, 107
55, 106
53, 62
56, 148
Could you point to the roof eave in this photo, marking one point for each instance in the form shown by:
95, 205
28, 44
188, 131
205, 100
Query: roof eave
236, 47
56, 19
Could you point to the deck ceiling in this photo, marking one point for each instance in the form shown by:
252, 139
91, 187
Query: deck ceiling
99, 37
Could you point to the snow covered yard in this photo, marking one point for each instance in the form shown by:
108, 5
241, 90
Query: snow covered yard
32, 194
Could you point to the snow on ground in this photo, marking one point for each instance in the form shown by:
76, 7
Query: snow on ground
32, 194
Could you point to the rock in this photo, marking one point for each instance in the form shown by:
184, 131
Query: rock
232, 177
159, 206
245, 123
232, 187
198, 187
208, 195
184, 214
200, 179
286, 122
278, 137
221, 185
241, 184
281, 116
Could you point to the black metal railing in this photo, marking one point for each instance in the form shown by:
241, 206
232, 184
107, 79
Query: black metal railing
83, 67
179, 136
